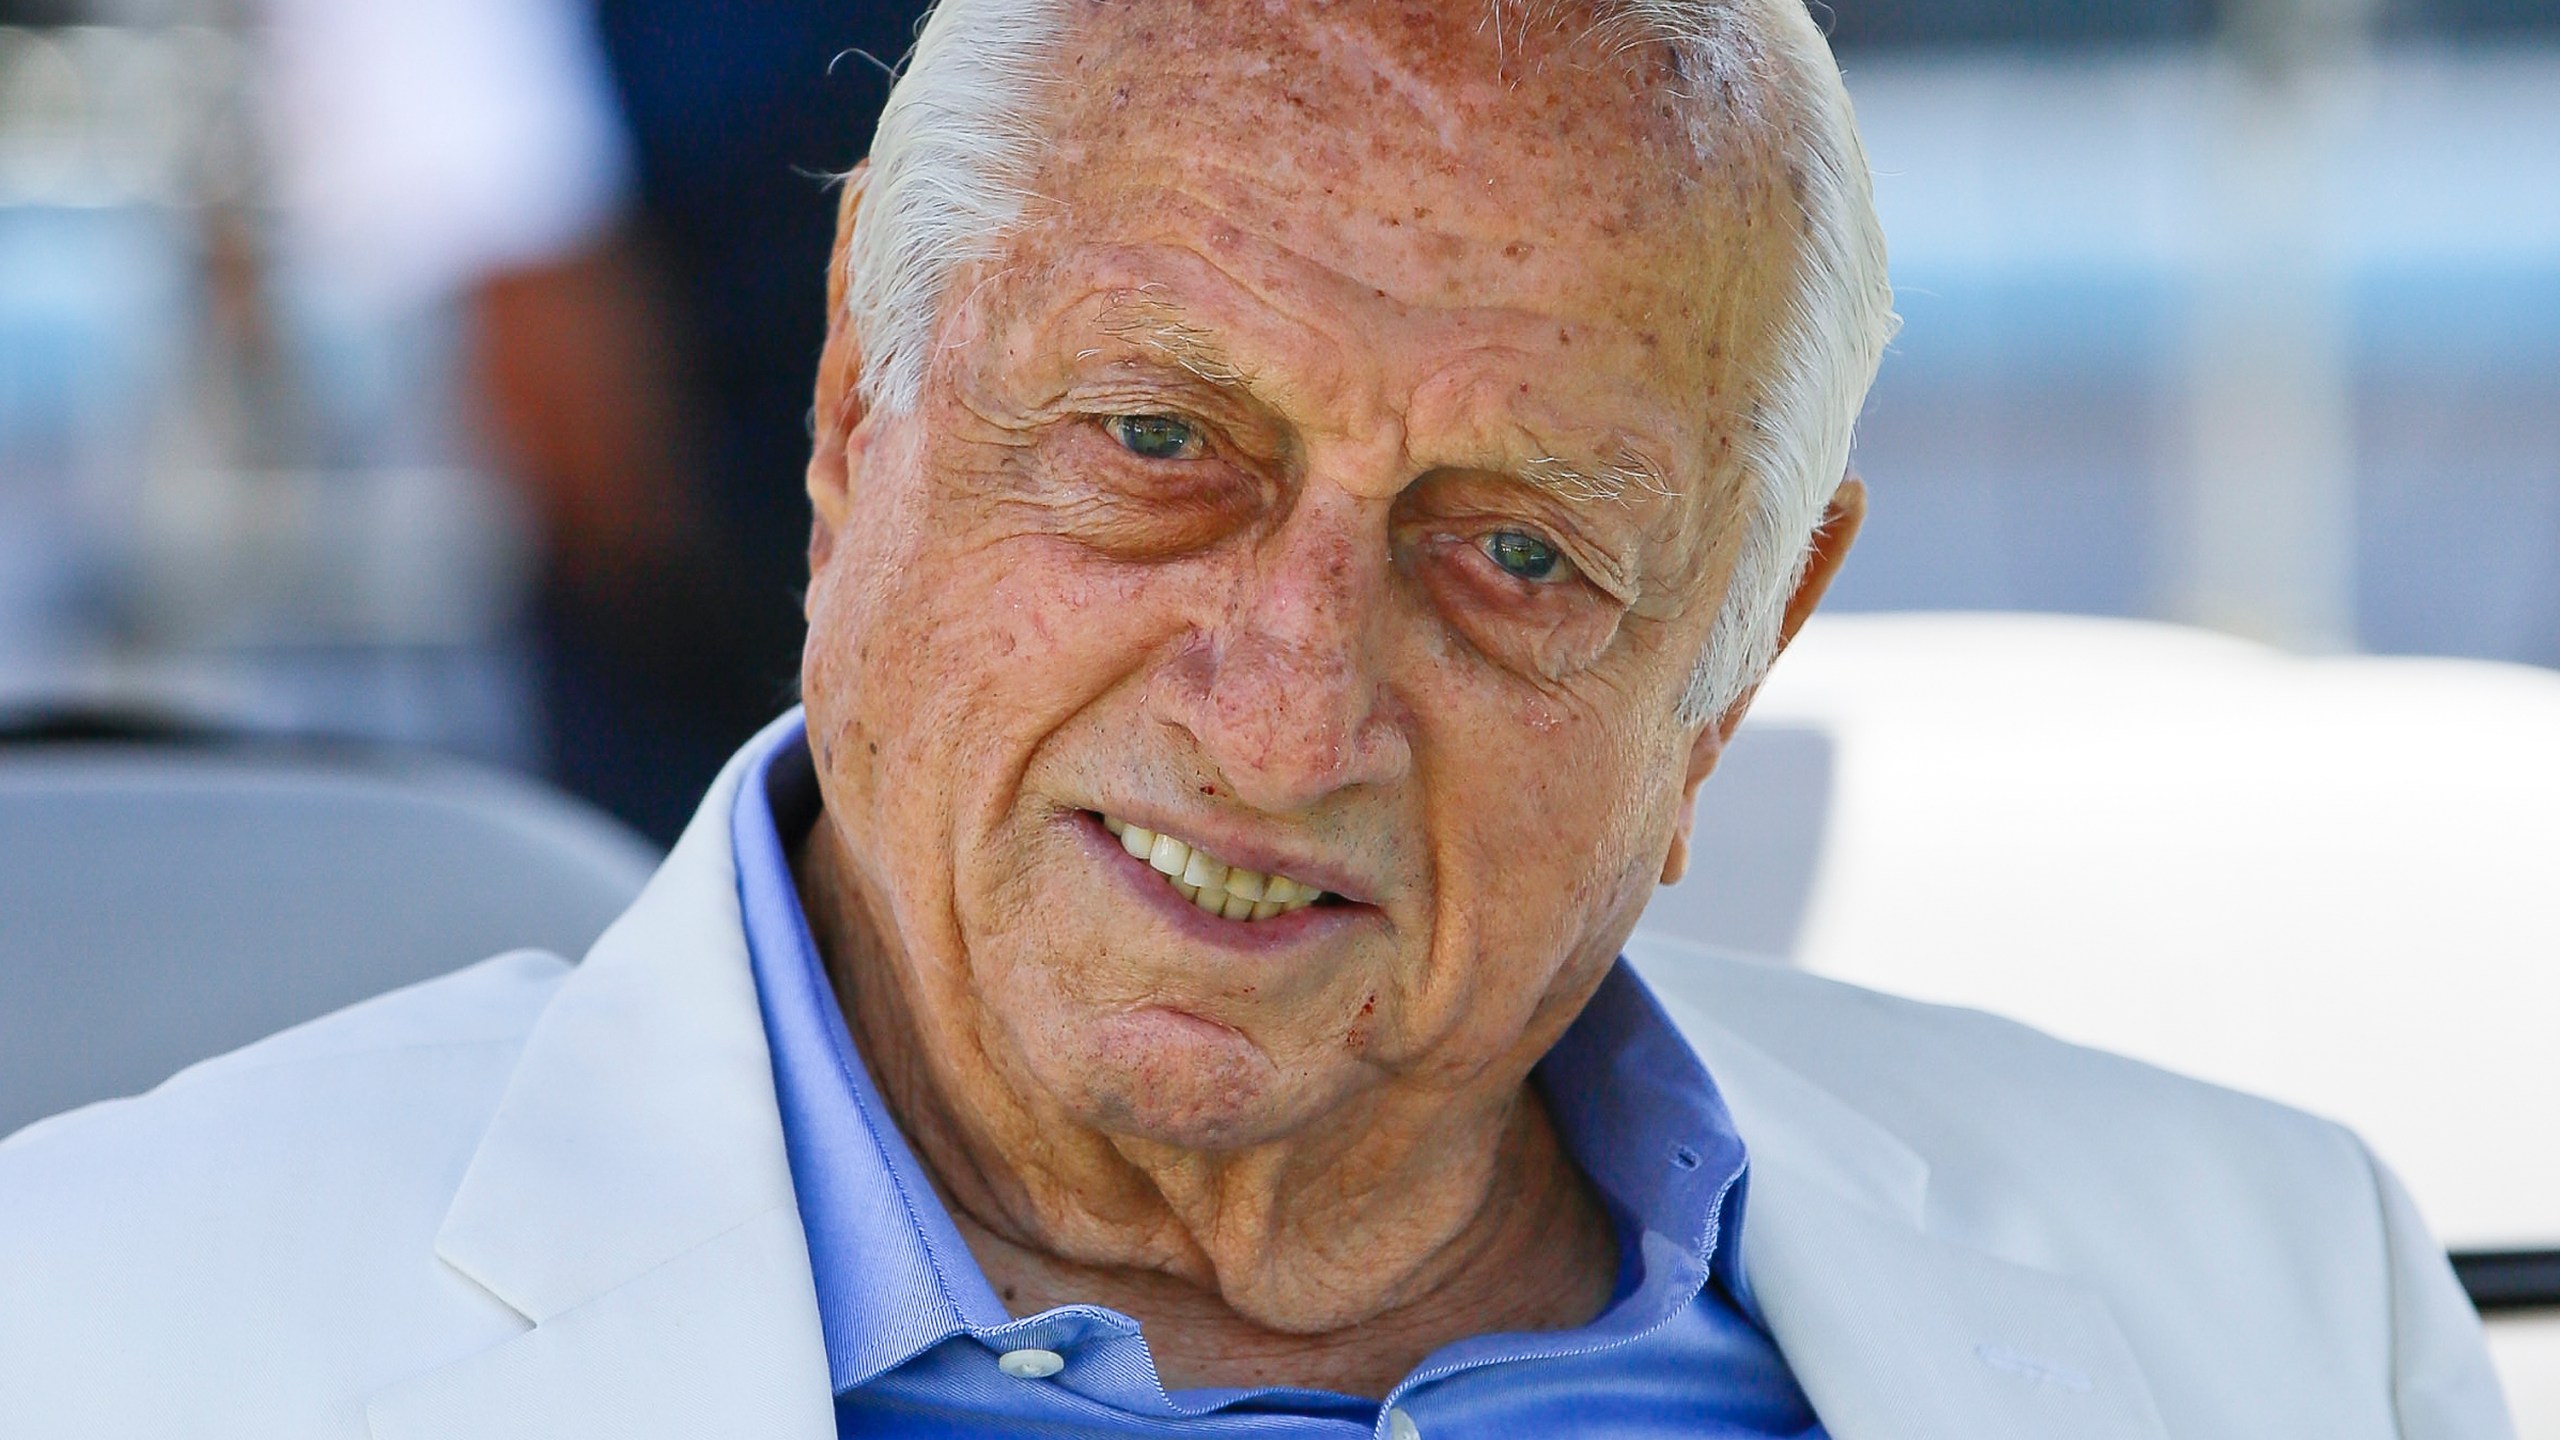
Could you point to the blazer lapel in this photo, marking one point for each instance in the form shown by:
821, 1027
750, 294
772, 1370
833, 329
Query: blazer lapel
1896, 1334
631, 1198
705, 1345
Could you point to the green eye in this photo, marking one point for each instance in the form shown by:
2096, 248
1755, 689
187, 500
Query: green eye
1156, 437
1523, 555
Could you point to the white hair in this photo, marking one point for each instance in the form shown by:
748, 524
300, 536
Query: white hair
961, 137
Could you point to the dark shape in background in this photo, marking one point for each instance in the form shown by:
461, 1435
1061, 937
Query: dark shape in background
667, 644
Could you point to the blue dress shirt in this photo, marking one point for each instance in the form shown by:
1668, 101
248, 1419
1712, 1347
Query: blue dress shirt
914, 1332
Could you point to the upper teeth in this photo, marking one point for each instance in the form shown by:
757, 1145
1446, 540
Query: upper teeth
1211, 884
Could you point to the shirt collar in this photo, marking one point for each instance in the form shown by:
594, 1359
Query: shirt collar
893, 1276
1633, 1104
1638, 1112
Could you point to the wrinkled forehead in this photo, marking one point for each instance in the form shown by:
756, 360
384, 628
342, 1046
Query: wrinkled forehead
1459, 151
1431, 82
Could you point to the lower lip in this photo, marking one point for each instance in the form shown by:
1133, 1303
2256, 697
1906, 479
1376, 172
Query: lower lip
1295, 927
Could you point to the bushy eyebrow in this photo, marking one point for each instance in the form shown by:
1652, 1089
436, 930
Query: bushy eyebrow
1608, 480
1152, 322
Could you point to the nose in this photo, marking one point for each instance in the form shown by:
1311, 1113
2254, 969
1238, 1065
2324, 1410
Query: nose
1286, 697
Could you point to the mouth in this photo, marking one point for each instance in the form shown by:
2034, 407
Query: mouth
1221, 889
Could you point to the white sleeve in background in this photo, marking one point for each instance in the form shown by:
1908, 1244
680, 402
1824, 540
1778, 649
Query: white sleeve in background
419, 145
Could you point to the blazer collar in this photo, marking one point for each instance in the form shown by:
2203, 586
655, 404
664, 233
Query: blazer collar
1895, 1333
631, 1197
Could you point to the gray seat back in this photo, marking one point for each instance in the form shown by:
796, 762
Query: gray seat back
159, 905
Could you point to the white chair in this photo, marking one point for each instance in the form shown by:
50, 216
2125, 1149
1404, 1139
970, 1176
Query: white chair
161, 904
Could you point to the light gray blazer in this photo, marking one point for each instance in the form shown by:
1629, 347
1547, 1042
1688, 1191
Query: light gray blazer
530, 1200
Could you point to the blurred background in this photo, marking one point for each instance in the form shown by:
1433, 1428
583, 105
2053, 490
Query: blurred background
2247, 316
422, 371
433, 375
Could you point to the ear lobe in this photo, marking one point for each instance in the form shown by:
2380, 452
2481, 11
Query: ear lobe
1704, 752
837, 413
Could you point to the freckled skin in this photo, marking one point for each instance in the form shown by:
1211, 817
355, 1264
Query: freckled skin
1383, 271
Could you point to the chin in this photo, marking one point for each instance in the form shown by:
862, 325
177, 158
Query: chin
1170, 1078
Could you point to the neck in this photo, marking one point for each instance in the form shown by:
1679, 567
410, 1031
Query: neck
1335, 1262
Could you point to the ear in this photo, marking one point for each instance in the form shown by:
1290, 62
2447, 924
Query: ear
1831, 541
837, 434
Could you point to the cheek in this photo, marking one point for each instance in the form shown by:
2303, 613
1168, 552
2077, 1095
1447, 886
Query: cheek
936, 618
910, 643
1570, 810
1545, 842
986, 676
961, 662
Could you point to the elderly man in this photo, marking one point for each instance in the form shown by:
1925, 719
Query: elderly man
1302, 493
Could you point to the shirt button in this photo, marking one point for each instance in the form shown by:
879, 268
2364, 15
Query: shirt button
1400, 1426
1031, 1364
